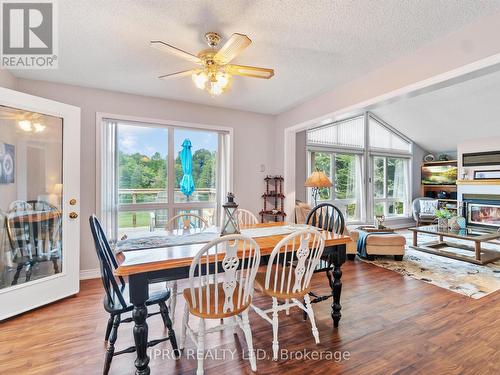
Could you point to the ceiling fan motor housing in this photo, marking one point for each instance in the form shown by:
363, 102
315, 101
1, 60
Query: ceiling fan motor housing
213, 39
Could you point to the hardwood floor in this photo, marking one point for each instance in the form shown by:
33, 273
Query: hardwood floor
390, 325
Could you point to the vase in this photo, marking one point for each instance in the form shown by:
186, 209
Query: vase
442, 223
453, 223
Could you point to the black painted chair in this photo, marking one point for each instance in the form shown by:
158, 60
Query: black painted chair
328, 217
116, 302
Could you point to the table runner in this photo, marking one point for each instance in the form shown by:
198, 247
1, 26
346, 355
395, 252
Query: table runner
157, 241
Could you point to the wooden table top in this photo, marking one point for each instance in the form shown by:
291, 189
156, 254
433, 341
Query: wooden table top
147, 260
34, 216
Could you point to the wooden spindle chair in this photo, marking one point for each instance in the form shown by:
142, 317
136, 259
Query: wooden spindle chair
20, 233
221, 290
246, 217
177, 225
327, 217
116, 301
288, 277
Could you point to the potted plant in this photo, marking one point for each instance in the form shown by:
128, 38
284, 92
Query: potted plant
443, 215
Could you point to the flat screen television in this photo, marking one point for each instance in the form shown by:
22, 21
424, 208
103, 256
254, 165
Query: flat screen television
443, 174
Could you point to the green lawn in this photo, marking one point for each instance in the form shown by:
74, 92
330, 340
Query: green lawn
125, 219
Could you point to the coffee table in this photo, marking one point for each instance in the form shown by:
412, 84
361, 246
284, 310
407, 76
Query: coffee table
473, 254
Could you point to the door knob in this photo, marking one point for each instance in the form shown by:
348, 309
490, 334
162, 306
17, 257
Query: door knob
73, 215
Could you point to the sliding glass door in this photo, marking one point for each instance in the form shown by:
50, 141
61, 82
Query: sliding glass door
146, 170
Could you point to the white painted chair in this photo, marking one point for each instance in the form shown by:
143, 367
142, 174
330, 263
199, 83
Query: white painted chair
288, 277
186, 221
210, 298
178, 224
246, 217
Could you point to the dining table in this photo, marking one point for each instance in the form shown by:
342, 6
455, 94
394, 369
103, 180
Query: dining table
145, 266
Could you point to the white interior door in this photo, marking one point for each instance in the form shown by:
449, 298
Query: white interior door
39, 201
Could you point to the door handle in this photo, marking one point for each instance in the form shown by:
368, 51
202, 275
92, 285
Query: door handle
73, 215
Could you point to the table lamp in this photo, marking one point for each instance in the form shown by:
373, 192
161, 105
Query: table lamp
317, 180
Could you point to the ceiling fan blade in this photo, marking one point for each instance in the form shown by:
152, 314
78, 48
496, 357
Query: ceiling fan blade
184, 73
232, 48
250, 71
162, 46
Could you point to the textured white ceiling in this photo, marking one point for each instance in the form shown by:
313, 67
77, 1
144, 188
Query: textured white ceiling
439, 120
312, 45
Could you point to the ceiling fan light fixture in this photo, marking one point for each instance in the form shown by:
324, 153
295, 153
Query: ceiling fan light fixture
200, 79
25, 125
38, 128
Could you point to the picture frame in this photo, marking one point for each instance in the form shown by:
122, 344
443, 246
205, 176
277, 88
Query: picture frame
487, 175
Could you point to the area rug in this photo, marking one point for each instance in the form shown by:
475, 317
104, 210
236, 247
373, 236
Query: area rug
469, 279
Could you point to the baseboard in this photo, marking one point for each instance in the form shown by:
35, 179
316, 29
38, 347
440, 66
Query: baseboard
90, 274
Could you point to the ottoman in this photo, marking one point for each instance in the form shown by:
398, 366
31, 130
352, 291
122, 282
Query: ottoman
383, 244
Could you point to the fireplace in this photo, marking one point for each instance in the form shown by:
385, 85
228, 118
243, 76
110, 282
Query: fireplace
482, 210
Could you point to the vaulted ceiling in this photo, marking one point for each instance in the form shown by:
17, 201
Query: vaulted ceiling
439, 120
312, 45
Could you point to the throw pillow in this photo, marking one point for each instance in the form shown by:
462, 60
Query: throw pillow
428, 207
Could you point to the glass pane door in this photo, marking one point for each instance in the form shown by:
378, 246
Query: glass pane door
39, 201
30, 196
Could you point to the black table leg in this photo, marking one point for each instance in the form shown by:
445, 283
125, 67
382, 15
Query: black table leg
139, 294
337, 258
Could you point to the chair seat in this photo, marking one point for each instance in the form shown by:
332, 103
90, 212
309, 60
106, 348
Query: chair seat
213, 313
260, 282
115, 307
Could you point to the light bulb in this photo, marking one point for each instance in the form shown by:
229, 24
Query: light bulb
38, 127
215, 89
222, 79
25, 125
200, 79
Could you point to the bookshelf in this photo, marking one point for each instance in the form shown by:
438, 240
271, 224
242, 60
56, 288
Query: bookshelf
446, 194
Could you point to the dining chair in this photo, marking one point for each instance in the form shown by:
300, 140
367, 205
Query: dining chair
221, 290
288, 277
186, 221
182, 222
116, 301
20, 234
327, 217
246, 217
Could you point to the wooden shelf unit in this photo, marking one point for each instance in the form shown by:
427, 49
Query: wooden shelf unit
433, 190
275, 198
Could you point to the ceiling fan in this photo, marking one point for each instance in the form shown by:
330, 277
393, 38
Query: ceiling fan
215, 72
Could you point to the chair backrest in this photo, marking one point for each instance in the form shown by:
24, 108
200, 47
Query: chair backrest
107, 263
328, 217
237, 254
20, 229
301, 211
246, 217
186, 221
293, 261
416, 205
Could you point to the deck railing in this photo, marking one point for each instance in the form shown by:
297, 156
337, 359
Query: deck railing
130, 197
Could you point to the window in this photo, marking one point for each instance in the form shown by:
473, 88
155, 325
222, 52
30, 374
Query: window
342, 149
343, 170
142, 170
390, 186
347, 133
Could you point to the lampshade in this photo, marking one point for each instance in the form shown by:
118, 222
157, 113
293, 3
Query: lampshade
318, 179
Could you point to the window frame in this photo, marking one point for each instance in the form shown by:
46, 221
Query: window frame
224, 167
367, 199
333, 152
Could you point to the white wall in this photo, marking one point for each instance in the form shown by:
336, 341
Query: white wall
252, 140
